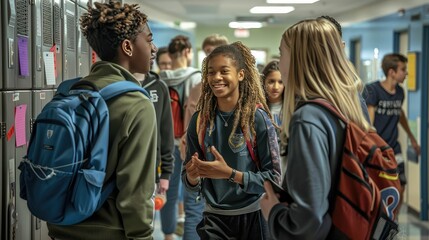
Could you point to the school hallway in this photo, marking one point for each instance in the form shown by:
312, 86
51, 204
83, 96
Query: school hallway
411, 228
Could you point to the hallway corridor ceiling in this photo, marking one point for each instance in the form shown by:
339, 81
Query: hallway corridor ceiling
221, 12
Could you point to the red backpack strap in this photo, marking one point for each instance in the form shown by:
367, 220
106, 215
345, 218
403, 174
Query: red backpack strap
201, 135
250, 148
324, 103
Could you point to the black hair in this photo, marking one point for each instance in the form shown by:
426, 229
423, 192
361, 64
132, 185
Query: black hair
108, 24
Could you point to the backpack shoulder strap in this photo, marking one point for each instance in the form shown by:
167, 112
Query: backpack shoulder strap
201, 135
327, 105
251, 150
65, 86
118, 88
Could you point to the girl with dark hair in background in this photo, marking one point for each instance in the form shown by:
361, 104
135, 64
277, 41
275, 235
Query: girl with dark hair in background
274, 92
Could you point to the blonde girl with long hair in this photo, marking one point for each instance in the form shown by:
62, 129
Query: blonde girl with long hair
313, 65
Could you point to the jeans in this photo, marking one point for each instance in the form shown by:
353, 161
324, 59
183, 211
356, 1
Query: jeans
169, 212
193, 214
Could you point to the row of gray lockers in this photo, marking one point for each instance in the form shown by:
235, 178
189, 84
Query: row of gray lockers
19, 110
42, 43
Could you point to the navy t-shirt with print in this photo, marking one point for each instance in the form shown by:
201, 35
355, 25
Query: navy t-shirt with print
388, 108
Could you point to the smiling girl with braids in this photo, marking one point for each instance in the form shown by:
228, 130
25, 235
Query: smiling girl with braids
120, 36
222, 168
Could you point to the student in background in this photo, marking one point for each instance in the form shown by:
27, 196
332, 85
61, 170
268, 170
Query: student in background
274, 93
313, 65
223, 170
160, 98
125, 49
180, 80
163, 60
213, 41
384, 100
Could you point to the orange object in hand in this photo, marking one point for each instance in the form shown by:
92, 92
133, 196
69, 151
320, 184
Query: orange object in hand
159, 200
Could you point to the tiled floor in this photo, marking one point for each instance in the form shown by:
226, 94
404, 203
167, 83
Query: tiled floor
411, 228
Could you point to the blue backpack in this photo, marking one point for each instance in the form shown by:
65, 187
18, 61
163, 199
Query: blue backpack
63, 173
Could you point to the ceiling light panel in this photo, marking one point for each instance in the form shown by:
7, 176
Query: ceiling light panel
271, 9
245, 25
292, 1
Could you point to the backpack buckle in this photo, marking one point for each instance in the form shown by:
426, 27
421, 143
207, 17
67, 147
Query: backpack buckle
84, 96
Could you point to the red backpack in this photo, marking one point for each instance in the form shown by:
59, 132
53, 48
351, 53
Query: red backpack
365, 194
177, 112
177, 104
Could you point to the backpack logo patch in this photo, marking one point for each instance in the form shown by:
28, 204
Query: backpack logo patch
49, 133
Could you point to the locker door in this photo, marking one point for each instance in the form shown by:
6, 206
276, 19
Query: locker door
3, 215
9, 46
17, 113
40, 99
1, 52
83, 51
69, 46
36, 54
42, 32
58, 15
24, 43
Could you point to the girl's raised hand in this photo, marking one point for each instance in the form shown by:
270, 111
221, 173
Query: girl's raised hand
192, 173
217, 169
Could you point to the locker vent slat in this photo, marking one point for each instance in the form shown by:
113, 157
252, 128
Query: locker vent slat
71, 32
22, 17
47, 23
57, 24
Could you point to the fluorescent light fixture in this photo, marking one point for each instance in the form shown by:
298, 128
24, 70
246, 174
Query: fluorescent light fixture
245, 25
292, 1
188, 25
272, 9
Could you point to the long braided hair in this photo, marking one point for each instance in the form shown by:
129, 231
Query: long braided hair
108, 24
250, 91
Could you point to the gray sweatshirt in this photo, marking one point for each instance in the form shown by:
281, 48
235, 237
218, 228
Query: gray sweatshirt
315, 146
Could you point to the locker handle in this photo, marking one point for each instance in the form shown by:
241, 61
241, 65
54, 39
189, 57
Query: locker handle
11, 52
39, 57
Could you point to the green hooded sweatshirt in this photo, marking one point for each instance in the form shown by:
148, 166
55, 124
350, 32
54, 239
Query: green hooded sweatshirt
129, 211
